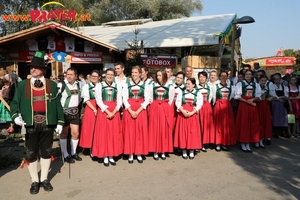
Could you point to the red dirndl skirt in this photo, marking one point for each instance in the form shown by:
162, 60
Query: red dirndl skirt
207, 125
160, 127
187, 131
247, 122
265, 119
135, 131
108, 139
88, 126
224, 123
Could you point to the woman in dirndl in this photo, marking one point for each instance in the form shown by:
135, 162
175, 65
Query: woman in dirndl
160, 116
178, 85
294, 98
264, 113
247, 120
108, 139
90, 110
136, 94
206, 113
223, 114
187, 135
280, 106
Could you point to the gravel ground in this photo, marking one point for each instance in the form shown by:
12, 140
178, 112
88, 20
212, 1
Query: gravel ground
272, 173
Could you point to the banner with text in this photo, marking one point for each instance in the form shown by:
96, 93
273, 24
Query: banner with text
86, 57
159, 60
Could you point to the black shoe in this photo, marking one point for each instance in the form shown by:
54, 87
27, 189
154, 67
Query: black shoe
130, 161
113, 163
106, 164
261, 146
249, 150
69, 159
244, 150
267, 142
46, 185
191, 157
224, 148
156, 158
35, 188
203, 150
185, 157
140, 161
76, 157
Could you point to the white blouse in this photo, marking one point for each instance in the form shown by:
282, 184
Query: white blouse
281, 87
85, 93
98, 96
171, 92
239, 89
189, 97
147, 91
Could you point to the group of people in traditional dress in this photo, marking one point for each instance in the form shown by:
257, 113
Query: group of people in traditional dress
136, 116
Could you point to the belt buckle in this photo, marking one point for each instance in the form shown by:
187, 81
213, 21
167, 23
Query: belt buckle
39, 119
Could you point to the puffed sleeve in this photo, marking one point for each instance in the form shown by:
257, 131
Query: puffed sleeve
238, 90
151, 92
178, 102
98, 96
272, 90
286, 90
258, 91
119, 97
233, 91
85, 93
147, 93
199, 102
171, 94
125, 95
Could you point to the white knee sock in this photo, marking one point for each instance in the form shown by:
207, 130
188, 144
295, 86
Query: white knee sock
184, 152
111, 159
32, 168
105, 160
130, 157
74, 144
191, 153
45, 166
243, 146
261, 142
247, 146
63, 146
139, 157
155, 155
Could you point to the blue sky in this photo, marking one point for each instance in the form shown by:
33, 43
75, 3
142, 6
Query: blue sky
276, 24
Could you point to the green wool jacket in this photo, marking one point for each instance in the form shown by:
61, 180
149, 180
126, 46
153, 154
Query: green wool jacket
22, 103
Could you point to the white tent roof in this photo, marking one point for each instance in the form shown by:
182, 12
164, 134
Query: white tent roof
191, 31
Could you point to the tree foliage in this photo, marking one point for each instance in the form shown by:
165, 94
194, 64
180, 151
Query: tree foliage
101, 11
112, 10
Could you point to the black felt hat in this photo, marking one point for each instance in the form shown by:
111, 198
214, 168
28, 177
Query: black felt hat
39, 60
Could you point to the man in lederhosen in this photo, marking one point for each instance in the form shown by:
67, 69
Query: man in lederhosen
70, 101
37, 106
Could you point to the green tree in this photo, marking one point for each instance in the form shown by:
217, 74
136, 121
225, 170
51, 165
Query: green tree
16, 7
112, 10
135, 48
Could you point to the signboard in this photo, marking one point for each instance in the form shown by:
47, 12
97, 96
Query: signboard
26, 56
159, 60
86, 57
280, 61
